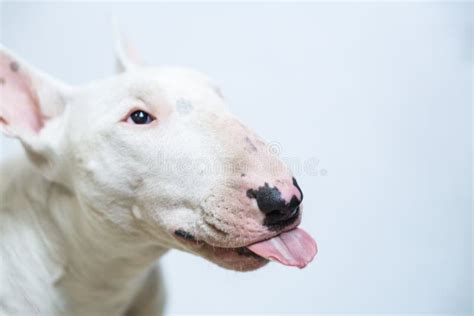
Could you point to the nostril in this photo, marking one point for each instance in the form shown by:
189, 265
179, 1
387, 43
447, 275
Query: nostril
295, 211
294, 202
277, 219
278, 211
275, 213
295, 183
278, 216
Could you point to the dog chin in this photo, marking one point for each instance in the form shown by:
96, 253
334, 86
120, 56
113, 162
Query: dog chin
238, 259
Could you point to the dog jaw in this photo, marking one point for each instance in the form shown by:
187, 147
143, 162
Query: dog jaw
232, 258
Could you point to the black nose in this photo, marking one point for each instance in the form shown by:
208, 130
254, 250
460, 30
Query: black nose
278, 212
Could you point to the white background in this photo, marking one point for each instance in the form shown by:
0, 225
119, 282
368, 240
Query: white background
378, 94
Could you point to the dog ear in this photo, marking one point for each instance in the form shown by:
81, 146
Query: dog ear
127, 55
29, 102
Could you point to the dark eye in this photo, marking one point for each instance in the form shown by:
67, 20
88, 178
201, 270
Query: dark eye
140, 117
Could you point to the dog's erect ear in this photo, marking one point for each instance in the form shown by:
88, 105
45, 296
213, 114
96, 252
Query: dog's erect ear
126, 54
29, 102
28, 98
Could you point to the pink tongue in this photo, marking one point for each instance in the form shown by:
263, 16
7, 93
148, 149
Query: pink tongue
292, 248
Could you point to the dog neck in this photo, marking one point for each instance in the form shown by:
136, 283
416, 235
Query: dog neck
95, 266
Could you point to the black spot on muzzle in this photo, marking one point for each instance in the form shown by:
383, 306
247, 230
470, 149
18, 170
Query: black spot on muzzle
184, 234
278, 213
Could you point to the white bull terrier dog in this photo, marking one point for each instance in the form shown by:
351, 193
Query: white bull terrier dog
117, 172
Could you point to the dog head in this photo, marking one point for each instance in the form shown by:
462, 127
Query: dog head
156, 154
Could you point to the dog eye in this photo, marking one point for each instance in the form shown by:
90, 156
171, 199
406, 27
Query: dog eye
140, 117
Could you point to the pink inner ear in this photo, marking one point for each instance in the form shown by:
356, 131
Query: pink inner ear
19, 107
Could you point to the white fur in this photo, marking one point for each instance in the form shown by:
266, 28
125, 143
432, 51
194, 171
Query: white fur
94, 203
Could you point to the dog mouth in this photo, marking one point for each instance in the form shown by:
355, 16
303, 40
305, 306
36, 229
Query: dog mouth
295, 248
